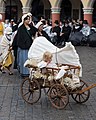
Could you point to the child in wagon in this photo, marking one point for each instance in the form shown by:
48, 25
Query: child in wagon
47, 62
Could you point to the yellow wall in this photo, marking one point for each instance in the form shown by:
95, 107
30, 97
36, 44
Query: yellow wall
87, 3
23, 2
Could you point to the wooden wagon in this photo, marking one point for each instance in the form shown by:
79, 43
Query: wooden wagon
57, 91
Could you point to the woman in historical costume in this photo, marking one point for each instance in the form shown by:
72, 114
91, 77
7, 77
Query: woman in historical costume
24, 41
85, 29
41, 32
6, 58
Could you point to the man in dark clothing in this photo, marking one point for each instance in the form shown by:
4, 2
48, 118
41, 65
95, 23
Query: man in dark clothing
66, 30
56, 29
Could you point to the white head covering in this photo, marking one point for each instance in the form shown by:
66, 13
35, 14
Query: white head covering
38, 24
24, 16
0, 17
29, 14
8, 30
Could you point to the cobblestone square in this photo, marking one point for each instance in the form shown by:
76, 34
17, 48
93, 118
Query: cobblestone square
13, 107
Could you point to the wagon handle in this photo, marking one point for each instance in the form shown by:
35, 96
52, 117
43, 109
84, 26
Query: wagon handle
87, 88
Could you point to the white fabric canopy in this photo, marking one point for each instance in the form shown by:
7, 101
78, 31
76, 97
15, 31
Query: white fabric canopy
65, 55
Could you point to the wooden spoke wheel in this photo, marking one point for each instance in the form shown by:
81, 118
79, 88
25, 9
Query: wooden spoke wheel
58, 96
81, 98
30, 91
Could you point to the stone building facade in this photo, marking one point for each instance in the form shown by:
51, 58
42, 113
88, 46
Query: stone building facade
53, 9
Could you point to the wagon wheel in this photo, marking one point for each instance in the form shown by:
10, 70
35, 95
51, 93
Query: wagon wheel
58, 96
81, 98
30, 91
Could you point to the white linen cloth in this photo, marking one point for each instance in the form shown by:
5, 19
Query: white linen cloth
4, 46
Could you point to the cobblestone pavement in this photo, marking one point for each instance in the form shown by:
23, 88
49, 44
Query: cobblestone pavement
13, 107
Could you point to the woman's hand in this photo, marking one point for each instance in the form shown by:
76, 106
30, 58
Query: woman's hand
10, 48
61, 34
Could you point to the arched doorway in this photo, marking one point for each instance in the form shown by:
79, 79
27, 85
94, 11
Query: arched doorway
66, 9
41, 8
37, 8
94, 12
13, 9
81, 11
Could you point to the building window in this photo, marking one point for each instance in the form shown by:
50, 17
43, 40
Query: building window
75, 13
47, 13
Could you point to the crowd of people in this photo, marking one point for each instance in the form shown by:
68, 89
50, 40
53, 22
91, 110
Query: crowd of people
20, 36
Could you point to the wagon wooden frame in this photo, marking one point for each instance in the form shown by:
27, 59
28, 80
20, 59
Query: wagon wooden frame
57, 93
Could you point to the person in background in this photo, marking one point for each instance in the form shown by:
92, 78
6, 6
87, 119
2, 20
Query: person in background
85, 29
41, 18
70, 23
77, 27
61, 25
92, 36
80, 24
93, 28
47, 28
1, 27
66, 30
6, 57
56, 29
41, 32
7, 23
14, 45
14, 26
